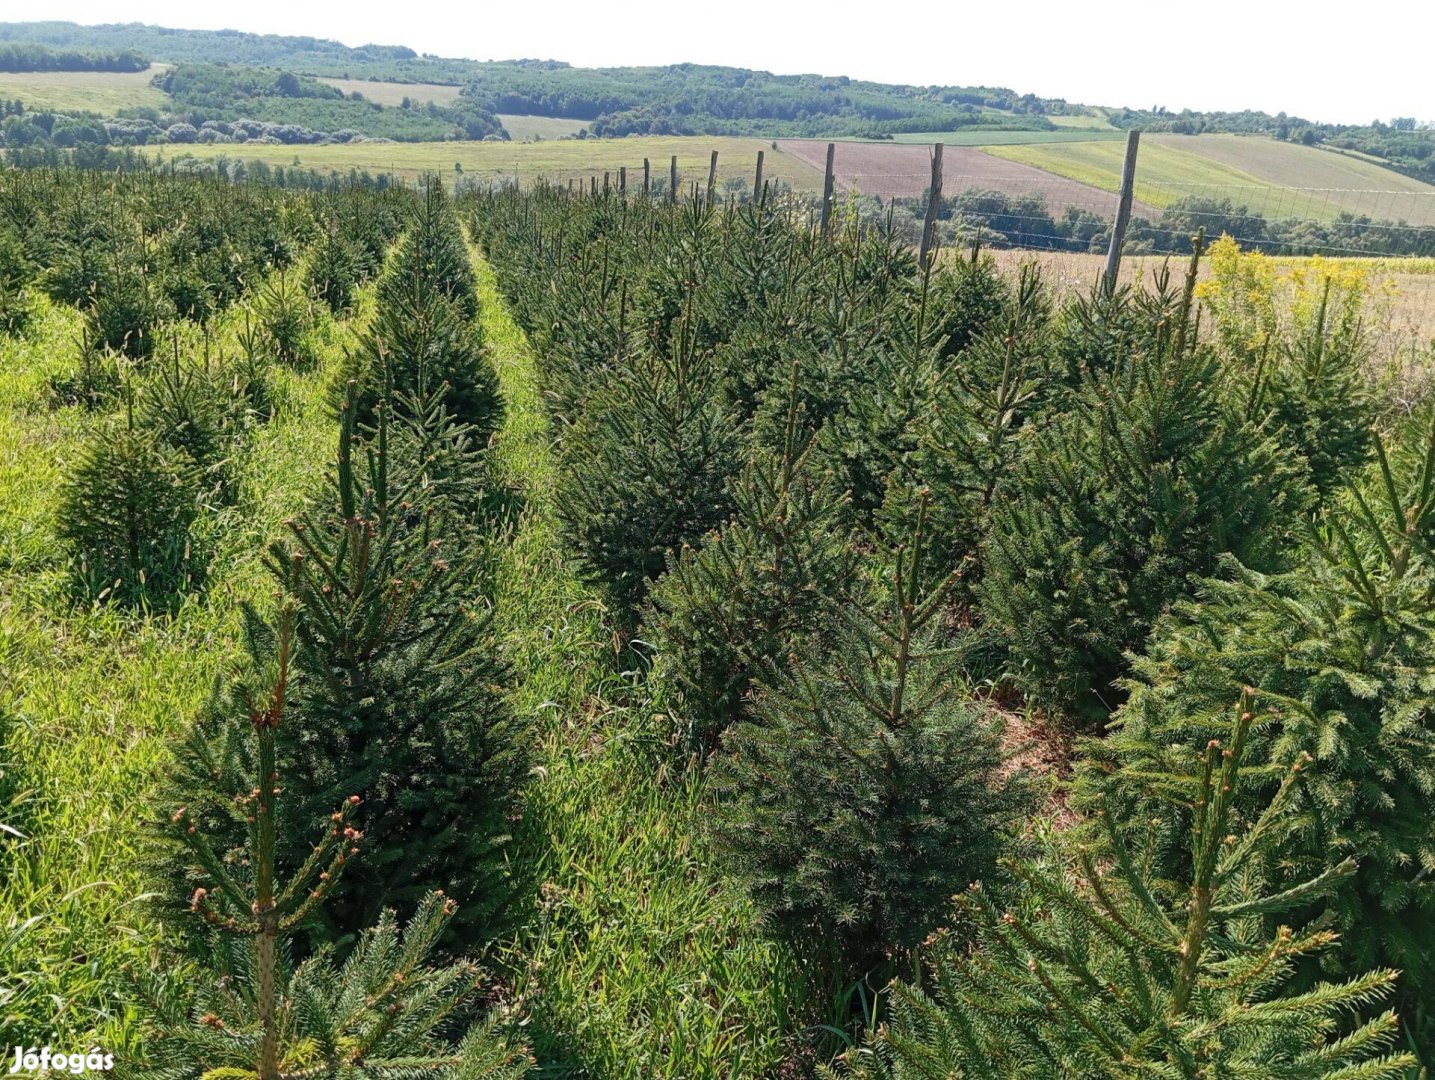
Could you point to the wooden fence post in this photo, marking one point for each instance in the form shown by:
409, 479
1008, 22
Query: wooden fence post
673, 180
1123, 213
622, 179
934, 204
646, 174
757, 181
712, 178
827, 190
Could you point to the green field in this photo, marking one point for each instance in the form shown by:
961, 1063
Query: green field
1273, 178
989, 137
1085, 123
104, 92
555, 160
524, 128
393, 93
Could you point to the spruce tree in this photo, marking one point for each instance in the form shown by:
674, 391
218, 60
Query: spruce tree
399, 691
729, 610
418, 342
980, 401
334, 270
969, 298
1092, 968
126, 308
865, 788
425, 333
15, 272
125, 514
645, 469
1341, 648
186, 406
248, 1010
1118, 501
433, 254
285, 316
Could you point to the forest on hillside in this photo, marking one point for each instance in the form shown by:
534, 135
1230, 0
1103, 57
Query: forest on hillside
219, 73
576, 633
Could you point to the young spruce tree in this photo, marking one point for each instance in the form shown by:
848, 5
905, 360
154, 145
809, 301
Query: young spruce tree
729, 611
248, 1011
399, 695
1341, 647
1094, 969
865, 788
1119, 502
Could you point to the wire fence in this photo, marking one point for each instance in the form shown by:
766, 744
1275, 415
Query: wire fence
1024, 213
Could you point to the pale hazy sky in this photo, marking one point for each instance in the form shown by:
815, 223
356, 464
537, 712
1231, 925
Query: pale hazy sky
1351, 63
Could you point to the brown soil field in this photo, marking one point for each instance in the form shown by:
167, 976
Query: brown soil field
892, 170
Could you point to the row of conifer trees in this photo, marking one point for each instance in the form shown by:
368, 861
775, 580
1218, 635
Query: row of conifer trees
847, 505
360, 768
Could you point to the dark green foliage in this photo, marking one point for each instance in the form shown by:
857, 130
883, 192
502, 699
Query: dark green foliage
126, 309
249, 1010
1340, 649
1097, 970
125, 516
187, 406
885, 355
1117, 502
645, 470
866, 788
15, 272
979, 403
968, 297
1318, 392
334, 271
425, 336
422, 344
398, 690
285, 318
729, 610
433, 253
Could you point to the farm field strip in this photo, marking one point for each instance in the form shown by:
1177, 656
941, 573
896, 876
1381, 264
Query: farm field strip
393, 93
555, 160
899, 171
1405, 286
1257, 173
523, 127
989, 137
104, 92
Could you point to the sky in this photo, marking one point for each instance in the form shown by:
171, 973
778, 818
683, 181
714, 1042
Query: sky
1350, 64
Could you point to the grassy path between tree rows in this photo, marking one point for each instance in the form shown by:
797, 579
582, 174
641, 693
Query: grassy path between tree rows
636, 960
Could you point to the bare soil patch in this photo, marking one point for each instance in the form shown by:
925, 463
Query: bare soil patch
894, 170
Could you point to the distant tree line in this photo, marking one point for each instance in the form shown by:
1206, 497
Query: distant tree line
24, 57
214, 103
696, 99
999, 219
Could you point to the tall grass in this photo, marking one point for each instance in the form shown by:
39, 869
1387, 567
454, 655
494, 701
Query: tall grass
635, 959
89, 693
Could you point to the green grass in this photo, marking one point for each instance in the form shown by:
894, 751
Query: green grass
540, 127
104, 92
393, 93
556, 160
636, 962
1085, 122
88, 695
988, 137
1272, 178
